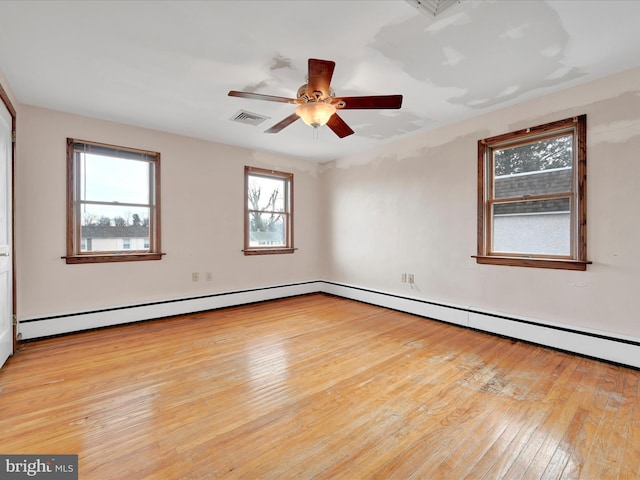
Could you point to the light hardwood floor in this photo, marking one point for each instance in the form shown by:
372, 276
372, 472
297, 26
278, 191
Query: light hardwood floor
317, 387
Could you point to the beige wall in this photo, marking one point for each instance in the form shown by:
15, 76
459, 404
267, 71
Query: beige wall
202, 220
411, 207
363, 220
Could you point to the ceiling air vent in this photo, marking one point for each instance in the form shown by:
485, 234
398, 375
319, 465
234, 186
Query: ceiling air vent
249, 118
433, 7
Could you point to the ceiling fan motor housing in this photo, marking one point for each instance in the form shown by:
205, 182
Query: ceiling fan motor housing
305, 96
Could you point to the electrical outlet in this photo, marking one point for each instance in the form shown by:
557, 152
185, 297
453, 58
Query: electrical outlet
209, 276
403, 278
195, 276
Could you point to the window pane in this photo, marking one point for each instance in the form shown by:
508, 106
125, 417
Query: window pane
109, 179
534, 157
266, 194
107, 228
541, 227
540, 168
267, 230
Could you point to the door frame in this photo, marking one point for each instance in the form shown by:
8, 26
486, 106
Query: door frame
12, 111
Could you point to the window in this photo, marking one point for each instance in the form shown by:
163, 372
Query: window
113, 203
532, 197
268, 212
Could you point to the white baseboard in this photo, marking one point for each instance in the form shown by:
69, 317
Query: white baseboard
31, 328
597, 344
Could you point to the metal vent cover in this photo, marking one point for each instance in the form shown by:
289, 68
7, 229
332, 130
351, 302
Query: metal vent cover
433, 7
248, 117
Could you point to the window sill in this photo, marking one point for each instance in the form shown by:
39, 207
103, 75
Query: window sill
112, 257
533, 262
268, 251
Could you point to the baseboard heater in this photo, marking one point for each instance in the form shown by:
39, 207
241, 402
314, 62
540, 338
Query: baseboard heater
596, 344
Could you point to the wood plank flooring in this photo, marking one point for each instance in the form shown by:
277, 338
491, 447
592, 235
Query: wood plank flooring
317, 387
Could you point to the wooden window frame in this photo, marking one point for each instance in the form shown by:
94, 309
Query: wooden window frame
288, 213
75, 255
577, 260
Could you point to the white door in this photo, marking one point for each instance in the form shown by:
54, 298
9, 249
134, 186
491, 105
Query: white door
6, 266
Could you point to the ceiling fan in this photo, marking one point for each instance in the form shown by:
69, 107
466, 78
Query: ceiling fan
318, 104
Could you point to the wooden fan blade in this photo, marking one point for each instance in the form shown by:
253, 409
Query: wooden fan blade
320, 73
259, 96
339, 126
376, 101
283, 123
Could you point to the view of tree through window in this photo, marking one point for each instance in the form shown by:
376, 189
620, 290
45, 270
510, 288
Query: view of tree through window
268, 211
266, 204
534, 156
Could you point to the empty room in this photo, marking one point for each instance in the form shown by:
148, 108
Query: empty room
316, 239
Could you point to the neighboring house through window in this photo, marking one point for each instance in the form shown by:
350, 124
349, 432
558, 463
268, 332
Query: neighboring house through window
113, 203
268, 212
86, 244
532, 197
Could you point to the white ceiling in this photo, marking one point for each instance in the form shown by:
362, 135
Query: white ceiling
168, 65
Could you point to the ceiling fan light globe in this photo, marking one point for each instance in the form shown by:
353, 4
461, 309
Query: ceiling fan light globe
315, 114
